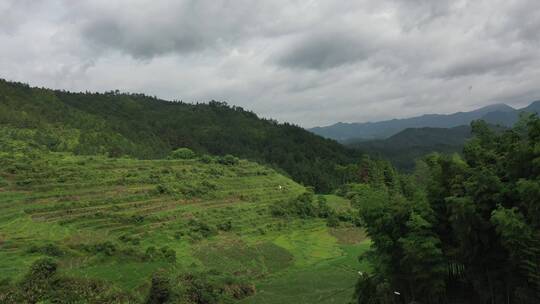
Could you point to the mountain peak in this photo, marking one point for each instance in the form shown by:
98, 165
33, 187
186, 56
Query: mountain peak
533, 107
500, 107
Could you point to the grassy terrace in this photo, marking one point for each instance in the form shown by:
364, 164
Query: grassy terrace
102, 217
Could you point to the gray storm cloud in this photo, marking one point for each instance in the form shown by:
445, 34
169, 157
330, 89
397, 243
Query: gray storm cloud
306, 62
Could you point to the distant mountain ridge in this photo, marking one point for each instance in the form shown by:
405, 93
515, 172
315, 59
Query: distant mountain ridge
496, 114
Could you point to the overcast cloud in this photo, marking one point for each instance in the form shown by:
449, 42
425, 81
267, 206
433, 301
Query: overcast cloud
307, 62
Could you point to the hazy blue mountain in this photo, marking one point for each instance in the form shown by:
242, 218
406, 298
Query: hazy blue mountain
497, 114
533, 107
502, 118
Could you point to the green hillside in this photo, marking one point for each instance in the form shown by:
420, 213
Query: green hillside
111, 223
145, 127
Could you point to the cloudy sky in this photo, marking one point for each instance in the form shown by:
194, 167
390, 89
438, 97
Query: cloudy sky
307, 62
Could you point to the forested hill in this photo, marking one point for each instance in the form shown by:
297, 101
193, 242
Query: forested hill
141, 126
409, 145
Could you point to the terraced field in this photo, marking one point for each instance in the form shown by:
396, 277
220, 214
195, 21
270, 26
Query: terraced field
120, 220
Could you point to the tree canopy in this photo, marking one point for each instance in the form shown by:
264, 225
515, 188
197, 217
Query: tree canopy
468, 232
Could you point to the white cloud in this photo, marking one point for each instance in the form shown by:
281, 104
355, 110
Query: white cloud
307, 62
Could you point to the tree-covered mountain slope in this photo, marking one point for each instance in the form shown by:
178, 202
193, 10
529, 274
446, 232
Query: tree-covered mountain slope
145, 127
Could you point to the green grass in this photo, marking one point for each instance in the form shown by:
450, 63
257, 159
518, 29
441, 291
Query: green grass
329, 280
214, 216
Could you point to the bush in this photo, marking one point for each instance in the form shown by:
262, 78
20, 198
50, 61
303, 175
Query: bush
163, 189
48, 249
151, 253
136, 219
42, 284
206, 159
300, 206
3, 182
168, 254
160, 289
42, 269
36, 283
228, 160
215, 288
164, 253
182, 153
200, 227
129, 239
226, 226
208, 185
107, 248
323, 210
332, 221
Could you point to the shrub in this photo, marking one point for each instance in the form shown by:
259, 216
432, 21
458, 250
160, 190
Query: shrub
240, 290
160, 289
106, 248
226, 226
215, 172
168, 254
332, 221
206, 159
48, 249
228, 160
151, 253
136, 219
163, 189
3, 182
213, 287
36, 283
323, 209
200, 227
182, 153
42, 284
24, 182
208, 185
303, 206
42, 269
129, 239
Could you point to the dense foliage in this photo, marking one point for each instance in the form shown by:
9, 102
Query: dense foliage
307, 205
136, 125
460, 230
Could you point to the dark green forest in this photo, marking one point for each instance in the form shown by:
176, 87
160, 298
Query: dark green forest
462, 229
121, 124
